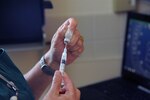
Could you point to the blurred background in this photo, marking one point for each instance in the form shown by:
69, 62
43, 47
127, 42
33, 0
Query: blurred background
102, 24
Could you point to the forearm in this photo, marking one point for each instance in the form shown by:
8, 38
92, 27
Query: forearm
37, 80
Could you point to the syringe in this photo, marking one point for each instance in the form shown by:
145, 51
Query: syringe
63, 61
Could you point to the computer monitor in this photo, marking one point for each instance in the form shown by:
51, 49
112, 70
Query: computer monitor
136, 59
21, 22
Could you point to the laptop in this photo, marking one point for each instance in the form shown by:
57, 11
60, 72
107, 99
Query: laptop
134, 83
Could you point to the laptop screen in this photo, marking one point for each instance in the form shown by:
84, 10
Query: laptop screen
136, 62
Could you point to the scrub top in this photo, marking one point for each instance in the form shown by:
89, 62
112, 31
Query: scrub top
12, 73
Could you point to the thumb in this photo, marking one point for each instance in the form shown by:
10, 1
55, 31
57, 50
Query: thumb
56, 83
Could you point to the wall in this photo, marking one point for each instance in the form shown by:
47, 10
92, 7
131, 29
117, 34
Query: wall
75, 7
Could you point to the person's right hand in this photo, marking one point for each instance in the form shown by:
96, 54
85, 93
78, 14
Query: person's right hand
70, 93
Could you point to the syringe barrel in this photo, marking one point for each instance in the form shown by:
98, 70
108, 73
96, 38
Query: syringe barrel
63, 60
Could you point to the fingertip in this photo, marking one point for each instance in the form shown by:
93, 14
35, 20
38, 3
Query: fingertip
57, 72
57, 77
56, 83
72, 23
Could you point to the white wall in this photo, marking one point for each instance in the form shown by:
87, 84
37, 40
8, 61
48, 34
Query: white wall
75, 7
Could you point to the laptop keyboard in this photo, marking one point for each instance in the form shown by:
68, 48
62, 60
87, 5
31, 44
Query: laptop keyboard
116, 89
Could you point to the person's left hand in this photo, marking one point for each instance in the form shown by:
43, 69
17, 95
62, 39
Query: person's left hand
74, 48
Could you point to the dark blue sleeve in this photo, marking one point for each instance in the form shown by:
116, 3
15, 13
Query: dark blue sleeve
12, 73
